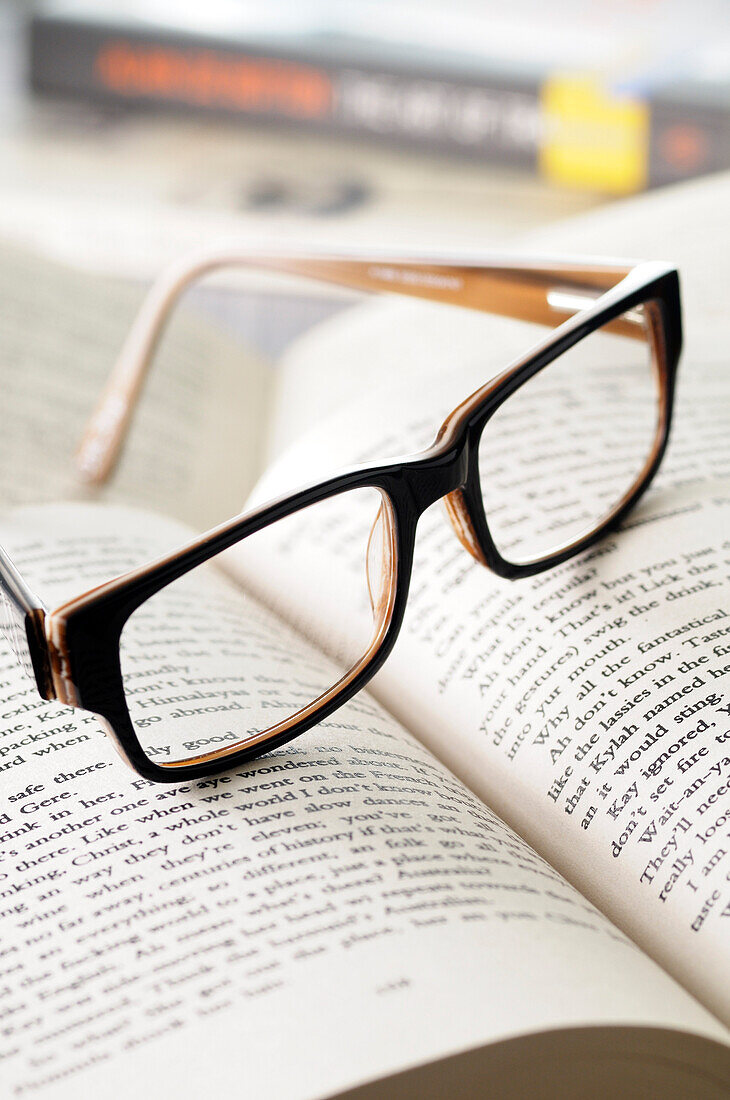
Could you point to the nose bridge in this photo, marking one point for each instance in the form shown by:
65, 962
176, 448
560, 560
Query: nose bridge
439, 472
443, 475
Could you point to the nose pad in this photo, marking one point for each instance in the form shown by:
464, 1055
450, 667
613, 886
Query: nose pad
379, 565
460, 520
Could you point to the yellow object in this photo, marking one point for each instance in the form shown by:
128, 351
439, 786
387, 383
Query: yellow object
592, 137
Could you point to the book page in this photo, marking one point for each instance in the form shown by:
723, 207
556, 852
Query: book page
587, 705
311, 902
196, 443
517, 686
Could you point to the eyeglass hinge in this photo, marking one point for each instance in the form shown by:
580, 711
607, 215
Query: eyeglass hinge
567, 301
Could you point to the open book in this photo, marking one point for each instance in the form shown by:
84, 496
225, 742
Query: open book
502, 870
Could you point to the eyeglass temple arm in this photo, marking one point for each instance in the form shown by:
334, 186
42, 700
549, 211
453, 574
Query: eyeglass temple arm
22, 625
518, 290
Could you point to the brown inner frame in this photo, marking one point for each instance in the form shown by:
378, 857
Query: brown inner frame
457, 513
653, 333
116, 407
382, 615
461, 522
64, 689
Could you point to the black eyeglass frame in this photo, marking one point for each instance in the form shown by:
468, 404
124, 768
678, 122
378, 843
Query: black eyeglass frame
73, 652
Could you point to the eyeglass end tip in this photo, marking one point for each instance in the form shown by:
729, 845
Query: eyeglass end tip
90, 468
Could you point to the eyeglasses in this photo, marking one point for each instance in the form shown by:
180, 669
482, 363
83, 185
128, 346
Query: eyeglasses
534, 467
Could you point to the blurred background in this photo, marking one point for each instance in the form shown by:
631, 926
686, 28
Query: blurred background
131, 131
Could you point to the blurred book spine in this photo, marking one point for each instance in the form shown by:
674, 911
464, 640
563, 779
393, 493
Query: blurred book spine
568, 127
